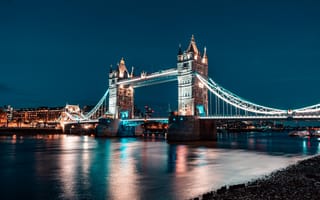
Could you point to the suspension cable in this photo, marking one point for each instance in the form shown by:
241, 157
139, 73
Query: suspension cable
232, 99
95, 109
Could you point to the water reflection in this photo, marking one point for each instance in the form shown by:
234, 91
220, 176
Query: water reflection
181, 161
68, 163
123, 180
271, 143
82, 167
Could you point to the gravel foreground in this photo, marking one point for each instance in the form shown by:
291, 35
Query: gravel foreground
298, 181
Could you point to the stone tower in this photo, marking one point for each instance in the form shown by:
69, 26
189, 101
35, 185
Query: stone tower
120, 96
192, 94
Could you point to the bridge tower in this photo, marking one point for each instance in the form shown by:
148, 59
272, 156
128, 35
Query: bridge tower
192, 98
192, 95
120, 96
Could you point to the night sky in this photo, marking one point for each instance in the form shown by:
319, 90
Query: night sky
57, 52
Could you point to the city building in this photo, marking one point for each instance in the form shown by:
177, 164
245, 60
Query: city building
3, 117
35, 116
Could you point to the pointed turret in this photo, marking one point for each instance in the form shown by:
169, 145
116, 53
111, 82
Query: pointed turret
204, 58
132, 68
192, 46
122, 61
180, 50
180, 54
123, 72
110, 70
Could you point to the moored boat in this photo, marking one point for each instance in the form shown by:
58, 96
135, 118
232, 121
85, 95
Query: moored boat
301, 133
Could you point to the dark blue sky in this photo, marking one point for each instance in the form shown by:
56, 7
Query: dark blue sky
53, 52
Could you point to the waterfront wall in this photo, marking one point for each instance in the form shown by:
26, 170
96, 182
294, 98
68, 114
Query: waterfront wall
28, 131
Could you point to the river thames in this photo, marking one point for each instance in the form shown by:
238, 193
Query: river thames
84, 167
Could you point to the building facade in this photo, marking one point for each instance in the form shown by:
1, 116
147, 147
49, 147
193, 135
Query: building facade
32, 116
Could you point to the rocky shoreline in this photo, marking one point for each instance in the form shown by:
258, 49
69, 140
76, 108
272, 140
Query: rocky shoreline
298, 181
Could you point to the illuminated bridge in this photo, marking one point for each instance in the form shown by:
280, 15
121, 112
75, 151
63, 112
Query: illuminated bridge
194, 85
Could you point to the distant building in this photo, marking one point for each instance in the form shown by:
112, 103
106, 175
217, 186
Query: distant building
3, 117
34, 115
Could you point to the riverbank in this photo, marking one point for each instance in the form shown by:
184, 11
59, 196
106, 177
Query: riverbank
298, 181
28, 131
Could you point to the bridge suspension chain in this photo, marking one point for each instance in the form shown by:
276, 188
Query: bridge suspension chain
309, 109
102, 103
236, 101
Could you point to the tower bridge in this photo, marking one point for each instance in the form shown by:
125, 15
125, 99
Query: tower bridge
196, 110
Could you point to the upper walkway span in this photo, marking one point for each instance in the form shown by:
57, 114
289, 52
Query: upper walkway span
145, 79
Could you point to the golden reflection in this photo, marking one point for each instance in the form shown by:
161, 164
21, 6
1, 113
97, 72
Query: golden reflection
14, 139
85, 164
194, 171
85, 143
251, 143
68, 163
123, 173
181, 163
201, 175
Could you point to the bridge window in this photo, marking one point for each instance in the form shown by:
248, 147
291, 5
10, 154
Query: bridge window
185, 65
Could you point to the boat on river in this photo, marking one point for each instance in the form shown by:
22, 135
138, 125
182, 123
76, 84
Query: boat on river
300, 133
304, 133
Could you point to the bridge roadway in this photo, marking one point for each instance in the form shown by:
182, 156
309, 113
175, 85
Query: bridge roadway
159, 119
182, 128
271, 117
134, 122
129, 122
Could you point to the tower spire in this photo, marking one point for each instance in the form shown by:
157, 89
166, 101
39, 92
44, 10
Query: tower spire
123, 72
122, 61
192, 38
205, 58
132, 68
180, 50
192, 46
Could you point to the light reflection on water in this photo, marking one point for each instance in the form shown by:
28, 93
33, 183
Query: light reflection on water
83, 167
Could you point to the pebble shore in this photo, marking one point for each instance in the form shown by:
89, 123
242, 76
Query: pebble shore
298, 181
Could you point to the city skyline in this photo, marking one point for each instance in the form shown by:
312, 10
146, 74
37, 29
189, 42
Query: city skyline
61, 52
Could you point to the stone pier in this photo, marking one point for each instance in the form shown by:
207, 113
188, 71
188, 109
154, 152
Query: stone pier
114, 128
191, 128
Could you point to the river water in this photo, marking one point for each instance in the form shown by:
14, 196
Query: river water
84, 167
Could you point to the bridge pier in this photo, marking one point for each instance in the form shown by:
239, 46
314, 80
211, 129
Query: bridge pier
191, 128
114, 128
